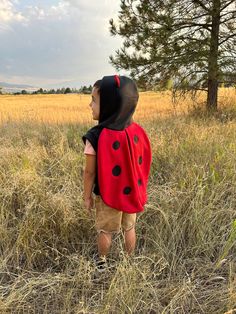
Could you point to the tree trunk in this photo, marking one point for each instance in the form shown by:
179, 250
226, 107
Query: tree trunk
213, 72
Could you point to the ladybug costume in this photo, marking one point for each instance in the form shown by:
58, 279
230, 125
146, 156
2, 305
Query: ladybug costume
122, 146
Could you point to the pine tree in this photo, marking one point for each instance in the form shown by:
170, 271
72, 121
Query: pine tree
67, 90
192, 42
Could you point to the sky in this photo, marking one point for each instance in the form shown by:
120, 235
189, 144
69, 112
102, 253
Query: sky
50, 42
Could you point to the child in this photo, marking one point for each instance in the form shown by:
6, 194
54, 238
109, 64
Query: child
118, 159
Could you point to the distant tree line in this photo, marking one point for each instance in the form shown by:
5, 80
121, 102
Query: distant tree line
229, 80
63, 90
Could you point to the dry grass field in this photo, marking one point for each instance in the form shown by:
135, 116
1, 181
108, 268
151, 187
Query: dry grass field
73, 108
185, 256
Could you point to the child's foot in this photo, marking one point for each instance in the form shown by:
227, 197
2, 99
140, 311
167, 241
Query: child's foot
101, 269
100, 264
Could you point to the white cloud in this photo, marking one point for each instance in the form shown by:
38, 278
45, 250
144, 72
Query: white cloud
5, 28
57, 41
8, 13
56, 12
31, 80
61, 9
92, 5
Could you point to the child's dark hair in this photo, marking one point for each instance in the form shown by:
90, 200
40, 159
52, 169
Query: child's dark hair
97, 85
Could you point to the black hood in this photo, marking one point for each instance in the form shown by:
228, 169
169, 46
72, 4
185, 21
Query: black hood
118, 100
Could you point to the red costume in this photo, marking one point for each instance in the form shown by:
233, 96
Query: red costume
122, 146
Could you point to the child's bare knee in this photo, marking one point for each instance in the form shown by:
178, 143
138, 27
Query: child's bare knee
130, 229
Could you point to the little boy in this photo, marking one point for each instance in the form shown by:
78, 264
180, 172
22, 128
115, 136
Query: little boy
118, 159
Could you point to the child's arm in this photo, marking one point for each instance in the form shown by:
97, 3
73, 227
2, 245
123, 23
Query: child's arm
89, 178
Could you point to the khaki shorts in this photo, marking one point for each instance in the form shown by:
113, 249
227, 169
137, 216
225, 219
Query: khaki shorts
111, 220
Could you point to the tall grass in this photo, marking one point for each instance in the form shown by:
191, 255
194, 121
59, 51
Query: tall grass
185, 256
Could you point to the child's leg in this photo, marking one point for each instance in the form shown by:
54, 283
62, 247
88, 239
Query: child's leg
130, 240
104, 243
128, 224
108, 221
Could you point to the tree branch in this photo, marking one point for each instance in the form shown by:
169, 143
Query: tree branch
230, 36
226, 5
202, 5
229, 12
189, 25
226, 20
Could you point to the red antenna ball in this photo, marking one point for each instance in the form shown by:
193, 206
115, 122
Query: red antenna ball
117, 80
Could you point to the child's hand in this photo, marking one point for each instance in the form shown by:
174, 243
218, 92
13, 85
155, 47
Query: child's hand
89, 203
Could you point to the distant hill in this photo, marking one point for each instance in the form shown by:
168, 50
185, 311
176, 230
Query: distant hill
71, 84
12, 88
